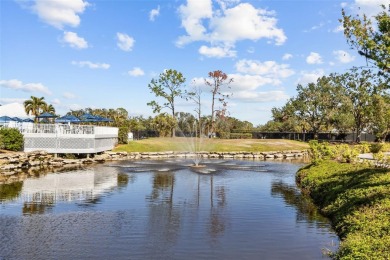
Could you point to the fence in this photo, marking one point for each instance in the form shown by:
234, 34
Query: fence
330, 137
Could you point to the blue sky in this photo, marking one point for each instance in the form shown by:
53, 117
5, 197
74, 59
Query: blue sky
103, 54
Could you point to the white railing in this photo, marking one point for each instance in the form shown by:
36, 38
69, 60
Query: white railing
61, 129
64, 138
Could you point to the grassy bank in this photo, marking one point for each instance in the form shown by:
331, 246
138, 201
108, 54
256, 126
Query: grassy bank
357, 200
210, 145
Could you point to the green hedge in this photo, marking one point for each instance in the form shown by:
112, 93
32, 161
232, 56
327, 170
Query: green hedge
357, 200
240, 136
11, 139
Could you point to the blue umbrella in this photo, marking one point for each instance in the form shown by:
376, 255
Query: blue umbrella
5, 119
29, 120
68, 119
88, 118
46, 115
17, 119
102, 119
92, 118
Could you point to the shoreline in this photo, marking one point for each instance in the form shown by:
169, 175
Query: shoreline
12, 164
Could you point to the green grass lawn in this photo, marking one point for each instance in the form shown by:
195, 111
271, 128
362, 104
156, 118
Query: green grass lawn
210, 145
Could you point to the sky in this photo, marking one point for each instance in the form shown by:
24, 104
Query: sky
103, 54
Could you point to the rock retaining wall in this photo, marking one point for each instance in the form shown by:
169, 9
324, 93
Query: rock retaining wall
12, 163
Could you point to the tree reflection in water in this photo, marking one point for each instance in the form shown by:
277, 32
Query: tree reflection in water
10, 191
163, 219
306, 210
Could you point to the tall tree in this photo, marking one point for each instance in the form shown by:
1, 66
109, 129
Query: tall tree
217, 81
195, 95
371, 41
381, 120
316, 103
48, 108
34, 106
168, 86
360, 87
285, 119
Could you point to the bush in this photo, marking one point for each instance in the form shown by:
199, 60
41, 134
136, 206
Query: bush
376, 147
223, 135
364, 147
346, 153
357, 200
240, 136
123, 135
320, 151
11, 139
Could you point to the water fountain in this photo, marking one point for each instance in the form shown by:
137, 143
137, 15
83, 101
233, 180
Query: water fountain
194, 144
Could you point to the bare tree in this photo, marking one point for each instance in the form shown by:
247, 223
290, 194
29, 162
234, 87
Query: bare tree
217, 80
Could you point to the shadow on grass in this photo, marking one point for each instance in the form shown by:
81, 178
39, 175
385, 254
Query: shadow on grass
342, 191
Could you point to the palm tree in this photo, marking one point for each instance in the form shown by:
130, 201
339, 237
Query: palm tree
48, 108
34, 106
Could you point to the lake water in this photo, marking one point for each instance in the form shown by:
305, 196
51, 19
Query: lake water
236, 209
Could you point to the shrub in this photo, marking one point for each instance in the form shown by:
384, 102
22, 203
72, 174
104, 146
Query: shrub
376, 147
364, 147
223, 135
357, 200
11, 139
123, 135
346, 153
320, 151
240, 136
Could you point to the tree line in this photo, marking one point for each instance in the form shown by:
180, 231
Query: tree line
357, 100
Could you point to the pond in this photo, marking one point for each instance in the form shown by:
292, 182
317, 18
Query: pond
163, 209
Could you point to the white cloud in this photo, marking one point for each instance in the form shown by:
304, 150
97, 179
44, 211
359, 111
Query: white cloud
245, 22
369, 7
267, 96
192, 15
343, 56
223, 27
74, 40
338, 29
26, 87
154, 13
216, 52
268, 68
55, 101
136, 72
91, 65
310, 76
59, 13
315, 27
125, 42
4, 101
245, 88
250, 82
287, 56
314, 58
69, 95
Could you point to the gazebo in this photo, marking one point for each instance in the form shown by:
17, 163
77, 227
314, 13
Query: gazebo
46, 117
68, 119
